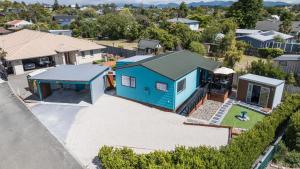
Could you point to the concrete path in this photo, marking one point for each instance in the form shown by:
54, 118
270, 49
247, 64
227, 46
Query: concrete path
24, 142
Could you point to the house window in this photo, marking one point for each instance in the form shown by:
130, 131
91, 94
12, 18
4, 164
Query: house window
181, 85
83, 54
162, 86
128, 81
283, 63
92, 52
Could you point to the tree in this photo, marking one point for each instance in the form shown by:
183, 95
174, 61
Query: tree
286, 26
55, 5
2, 54
246, 12
184, 34
267, 68
291, 80
198, 48
279, 39
232, 54
183, 10
77, 6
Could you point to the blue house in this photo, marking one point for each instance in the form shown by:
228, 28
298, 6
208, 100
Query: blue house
165, 81
265, 39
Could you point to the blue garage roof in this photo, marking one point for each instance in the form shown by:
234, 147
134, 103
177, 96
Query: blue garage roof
82, 73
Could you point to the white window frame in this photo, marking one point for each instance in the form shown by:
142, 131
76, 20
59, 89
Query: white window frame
128, 81
161, 86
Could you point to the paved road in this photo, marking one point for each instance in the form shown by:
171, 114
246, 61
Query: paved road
24, 142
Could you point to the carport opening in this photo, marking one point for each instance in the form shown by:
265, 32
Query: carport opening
65, 93
36, 63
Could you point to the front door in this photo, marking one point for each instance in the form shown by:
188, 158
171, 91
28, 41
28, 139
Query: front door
255, 94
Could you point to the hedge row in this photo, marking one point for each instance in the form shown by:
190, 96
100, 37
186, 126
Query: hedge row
270, 52
293, 133
239, 154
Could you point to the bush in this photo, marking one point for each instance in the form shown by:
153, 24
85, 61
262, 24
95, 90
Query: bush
198, 48
270, 52
292, 159
240, 153
293, 133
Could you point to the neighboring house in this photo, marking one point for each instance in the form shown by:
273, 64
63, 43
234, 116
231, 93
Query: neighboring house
31, 46
61, 32
288, 63
4, 31
265, 39
146, 46
63, 20
88, 78
192, 24
271, 25
259, 90
17, 24
165, 81
243, 32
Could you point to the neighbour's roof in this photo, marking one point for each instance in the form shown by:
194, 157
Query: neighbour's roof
268, 35
267, 25
135, 58
25, 142
175, 65
288, 58
262, 79
4, 31
59, 30
14, 22
247, 31
63, 17
148, 44
26, 44
78, 73
182, 20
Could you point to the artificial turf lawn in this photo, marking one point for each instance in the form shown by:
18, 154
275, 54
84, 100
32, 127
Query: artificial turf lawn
231, 120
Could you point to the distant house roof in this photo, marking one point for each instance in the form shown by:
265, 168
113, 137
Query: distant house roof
182, 20
261, 79
81, 73
288, 58
16, 22
268, 25
175, 65
26, 44
246, 31
148, 44
60, 30
136, 58
4, 31
269, 35
63, 17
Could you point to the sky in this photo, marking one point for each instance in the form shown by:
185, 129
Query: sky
129, 1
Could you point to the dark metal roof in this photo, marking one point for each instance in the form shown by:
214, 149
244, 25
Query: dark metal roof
80, 73
148, 44
175, 65
63, 17
268, 25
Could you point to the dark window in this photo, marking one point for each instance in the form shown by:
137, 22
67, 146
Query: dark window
181, 86
83, 54
92, 52
162, 86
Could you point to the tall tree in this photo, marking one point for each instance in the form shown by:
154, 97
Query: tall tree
55, 5
183, 10
286, 26
246, 12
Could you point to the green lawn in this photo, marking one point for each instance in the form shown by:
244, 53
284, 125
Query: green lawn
231, 120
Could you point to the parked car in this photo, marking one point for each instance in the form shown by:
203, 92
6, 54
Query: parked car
42, 62
29, 66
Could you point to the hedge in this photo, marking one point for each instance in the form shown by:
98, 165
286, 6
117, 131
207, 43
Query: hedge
270, 52
293, 132
241, 153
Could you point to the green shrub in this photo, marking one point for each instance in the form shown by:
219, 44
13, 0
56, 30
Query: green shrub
270, 52
293, 133
198, 47
292, 159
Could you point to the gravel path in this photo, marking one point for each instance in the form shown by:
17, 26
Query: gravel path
207, 110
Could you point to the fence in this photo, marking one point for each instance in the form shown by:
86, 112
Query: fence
119, 51
291, 89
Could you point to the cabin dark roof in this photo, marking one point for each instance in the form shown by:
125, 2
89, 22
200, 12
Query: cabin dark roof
268, 25
175, 65
148, 44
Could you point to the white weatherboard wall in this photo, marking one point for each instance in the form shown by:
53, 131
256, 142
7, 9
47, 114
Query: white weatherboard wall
88, 58
97, 87
278, 95
194, 27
